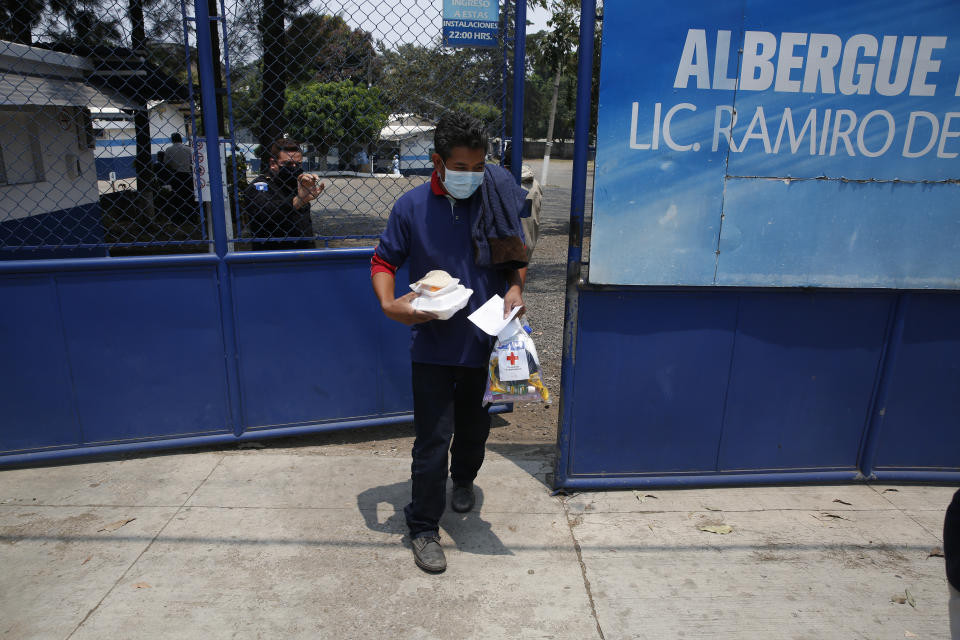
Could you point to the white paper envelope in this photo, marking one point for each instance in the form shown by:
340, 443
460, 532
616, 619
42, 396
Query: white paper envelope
490, 318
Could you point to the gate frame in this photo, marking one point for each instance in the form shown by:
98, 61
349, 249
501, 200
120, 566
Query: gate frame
222, 260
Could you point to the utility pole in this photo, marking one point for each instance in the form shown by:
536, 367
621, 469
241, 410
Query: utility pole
553, 115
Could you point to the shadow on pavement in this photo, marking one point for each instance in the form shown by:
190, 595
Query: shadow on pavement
469, 532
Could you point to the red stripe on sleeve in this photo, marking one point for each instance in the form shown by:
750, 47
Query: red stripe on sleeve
379, 265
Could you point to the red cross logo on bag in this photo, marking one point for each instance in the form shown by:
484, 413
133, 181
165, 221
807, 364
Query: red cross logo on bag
512, 358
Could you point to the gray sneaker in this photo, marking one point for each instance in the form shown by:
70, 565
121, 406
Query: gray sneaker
428, 554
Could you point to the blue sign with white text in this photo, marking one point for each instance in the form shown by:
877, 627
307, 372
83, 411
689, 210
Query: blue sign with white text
471, 23
772, 144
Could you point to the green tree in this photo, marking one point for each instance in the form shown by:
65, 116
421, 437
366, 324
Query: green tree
311, 48
84, 28
538, 95
554, 50
245, 95
430, 80
256, 42
68, 22
546, 50
273, 79
335, 114
482, 111
18, 18
270, 16
323, 48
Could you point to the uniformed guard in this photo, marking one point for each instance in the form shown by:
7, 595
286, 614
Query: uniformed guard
277, 202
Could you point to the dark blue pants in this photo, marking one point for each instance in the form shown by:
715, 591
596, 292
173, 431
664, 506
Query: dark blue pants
447, 402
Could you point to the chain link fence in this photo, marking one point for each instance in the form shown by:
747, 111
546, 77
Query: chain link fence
102, 144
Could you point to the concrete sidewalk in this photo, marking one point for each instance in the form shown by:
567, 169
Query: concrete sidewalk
288, 542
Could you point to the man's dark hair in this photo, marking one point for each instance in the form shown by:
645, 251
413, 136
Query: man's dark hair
176, 138
284, 144
458, 129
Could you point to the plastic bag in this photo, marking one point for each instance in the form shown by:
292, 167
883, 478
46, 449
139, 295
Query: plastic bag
513, 372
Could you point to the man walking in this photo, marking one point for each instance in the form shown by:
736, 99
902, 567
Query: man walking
474, 234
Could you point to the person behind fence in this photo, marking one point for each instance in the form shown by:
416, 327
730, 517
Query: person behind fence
178, 160
362, 161
277, 202
465, 221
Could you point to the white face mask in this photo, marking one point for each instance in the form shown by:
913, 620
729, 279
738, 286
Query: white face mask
461, 184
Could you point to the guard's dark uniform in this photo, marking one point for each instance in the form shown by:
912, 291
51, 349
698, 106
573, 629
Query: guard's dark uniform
268, 205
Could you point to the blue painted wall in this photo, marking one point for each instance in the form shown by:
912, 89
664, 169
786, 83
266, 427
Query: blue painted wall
314, 345
76, 225
918, 422
146, 353
101, 357
635, 381
35, 376
130, 350
717, 382
121, 165
802, 376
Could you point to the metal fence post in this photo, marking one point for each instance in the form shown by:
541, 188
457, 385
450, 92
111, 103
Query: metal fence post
208, 101
575, 248
519, 73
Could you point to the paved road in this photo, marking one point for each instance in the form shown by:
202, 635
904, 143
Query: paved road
308, 542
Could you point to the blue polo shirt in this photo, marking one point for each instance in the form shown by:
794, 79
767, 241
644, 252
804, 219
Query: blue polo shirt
427, 231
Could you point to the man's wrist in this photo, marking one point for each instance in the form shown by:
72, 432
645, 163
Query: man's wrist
389, 307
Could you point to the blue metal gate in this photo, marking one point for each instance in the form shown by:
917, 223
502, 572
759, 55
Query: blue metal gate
107, 344
744, 331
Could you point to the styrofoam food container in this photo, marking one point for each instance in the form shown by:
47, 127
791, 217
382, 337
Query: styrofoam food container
439, 292
444, 306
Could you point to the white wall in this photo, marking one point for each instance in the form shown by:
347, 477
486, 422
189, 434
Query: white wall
415, 152
165, 120
62, 140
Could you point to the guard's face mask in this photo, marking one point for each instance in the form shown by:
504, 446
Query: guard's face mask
287, 175
461, 184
